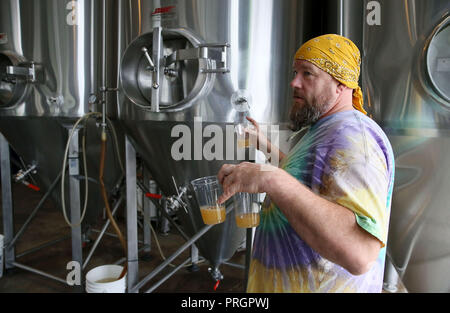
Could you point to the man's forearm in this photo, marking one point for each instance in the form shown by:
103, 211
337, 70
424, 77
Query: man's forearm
328, 228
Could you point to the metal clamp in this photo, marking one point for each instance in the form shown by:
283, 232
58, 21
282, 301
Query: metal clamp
216, 52
28, 72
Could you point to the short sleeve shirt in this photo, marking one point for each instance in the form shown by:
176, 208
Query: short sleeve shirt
347, 159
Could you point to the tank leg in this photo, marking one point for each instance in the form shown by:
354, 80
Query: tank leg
132, 239
194, 259
390, 277
7, 203
74, 187
146, 203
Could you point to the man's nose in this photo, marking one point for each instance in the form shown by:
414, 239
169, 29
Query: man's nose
296, 82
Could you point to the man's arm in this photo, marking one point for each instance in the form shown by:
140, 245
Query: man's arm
328, 228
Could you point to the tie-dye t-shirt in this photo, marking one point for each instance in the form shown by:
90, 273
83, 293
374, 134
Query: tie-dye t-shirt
346, 158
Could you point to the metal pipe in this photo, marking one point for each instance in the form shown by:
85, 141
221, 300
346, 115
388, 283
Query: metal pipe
33, 270
74, 187
168, 275
33, 214
97, 241
240, 266
248, 254
132, 235
390, 282
104, 44
174, 255
157, 52
341, 17
106, 200
42, 246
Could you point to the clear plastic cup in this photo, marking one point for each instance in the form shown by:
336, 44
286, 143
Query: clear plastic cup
208, 190
246, 210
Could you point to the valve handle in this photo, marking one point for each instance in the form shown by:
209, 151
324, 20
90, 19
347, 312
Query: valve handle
217, 284
153, 195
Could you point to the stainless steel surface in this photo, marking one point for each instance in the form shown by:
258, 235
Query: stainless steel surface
402, 99
345, 17
63, 41
212, 49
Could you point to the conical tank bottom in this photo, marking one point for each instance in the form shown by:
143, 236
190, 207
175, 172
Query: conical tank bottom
42, 141
153, 141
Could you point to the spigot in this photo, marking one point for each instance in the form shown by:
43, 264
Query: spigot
175, 202
21, 174
215, 273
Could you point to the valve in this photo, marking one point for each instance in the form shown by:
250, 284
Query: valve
21, 174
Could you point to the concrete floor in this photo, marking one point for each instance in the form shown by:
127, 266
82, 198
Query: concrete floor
49, 225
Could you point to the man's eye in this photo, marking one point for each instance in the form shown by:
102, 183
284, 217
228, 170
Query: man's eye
307, 73
294, 73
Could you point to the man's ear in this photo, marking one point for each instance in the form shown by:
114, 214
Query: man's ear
340, 88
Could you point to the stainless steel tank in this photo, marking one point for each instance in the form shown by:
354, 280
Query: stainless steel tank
51, 61
406, 79
202, 52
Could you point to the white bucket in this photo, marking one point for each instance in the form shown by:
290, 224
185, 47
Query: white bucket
1, 256
98, 280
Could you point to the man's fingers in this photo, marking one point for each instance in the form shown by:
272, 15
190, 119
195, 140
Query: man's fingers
228, 193
252, 121
227, 182
225, 170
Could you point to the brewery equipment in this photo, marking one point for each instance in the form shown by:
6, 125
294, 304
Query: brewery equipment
406, 79
183, 66
53, 60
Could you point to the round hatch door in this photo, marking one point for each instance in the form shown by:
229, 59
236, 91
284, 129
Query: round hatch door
12, 87
438, 61
171, 77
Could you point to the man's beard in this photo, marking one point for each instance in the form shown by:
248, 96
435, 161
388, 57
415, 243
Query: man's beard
306, 114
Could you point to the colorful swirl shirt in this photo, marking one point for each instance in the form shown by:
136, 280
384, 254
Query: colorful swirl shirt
345, 158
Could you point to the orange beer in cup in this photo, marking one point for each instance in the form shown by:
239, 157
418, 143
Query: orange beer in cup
207, 191
246, 210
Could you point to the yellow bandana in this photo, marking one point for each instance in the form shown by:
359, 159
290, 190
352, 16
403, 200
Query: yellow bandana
339, 57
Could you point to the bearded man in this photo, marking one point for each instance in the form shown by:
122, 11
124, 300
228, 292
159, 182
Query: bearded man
324, 221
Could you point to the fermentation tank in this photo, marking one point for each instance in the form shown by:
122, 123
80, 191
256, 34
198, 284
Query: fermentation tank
187, 67
51, 64
406, 79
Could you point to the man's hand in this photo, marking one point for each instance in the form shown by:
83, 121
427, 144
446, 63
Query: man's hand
244, 177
